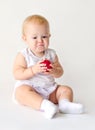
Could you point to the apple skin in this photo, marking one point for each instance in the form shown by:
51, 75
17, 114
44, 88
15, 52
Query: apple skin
47, 63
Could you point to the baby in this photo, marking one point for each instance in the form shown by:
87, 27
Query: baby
36, 86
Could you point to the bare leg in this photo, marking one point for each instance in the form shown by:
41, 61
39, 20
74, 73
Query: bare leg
62, 92
26, 95
63, 95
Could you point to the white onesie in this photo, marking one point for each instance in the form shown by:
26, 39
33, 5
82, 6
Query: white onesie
43, 84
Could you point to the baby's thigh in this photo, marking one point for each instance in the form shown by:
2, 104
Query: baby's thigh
21, 91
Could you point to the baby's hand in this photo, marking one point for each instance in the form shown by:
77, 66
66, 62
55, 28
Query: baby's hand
52, 70
39, 68
47, 63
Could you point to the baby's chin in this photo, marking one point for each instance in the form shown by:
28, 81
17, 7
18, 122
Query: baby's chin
42, 50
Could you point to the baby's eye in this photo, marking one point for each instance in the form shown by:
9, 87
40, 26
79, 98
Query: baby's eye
34, 37
44, 36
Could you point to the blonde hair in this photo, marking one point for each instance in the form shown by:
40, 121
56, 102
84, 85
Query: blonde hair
37, 19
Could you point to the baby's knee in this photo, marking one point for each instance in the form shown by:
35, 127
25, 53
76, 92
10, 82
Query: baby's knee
69, 89
66, 89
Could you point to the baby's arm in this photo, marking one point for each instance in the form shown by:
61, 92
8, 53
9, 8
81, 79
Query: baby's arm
22, 72
57, 68
20, 69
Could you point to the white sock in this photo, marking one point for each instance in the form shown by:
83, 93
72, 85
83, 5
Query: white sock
49, 108
65, 106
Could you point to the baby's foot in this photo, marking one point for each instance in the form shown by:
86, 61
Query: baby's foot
68, 107
49, 108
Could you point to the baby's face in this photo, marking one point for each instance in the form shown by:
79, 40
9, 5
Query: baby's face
37, 37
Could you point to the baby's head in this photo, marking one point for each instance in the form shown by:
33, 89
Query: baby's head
34, 19
36, 33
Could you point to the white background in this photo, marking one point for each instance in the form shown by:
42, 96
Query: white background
72, 25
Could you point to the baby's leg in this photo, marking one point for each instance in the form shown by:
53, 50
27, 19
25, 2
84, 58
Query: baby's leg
64, 92
61, 92
64, 96
26, 95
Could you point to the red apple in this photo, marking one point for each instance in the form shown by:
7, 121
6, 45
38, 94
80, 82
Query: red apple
47, 62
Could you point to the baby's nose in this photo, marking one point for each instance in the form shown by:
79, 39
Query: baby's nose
40, 39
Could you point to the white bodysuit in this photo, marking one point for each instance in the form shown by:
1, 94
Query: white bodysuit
43, 84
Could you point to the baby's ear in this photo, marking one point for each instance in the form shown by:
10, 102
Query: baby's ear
23, 37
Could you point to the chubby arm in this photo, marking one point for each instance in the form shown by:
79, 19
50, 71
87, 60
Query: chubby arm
57, 70
22, 72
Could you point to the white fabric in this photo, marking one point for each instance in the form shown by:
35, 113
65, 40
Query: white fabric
48, 108
67, 107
